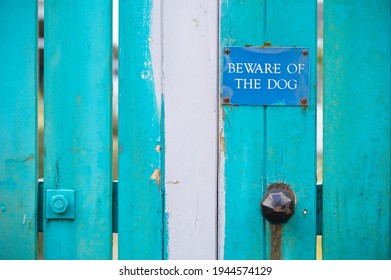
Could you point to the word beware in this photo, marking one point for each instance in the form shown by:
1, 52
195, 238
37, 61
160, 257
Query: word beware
266, 68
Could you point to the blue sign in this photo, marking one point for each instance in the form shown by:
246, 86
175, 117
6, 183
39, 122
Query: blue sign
266, 76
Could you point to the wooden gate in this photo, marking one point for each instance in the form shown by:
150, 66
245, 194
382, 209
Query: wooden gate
192, 169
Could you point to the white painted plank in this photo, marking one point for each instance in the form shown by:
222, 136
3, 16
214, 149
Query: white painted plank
190, 73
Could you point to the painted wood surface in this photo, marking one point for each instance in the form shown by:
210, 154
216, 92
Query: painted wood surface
291, 131
356, 178
263, 145
77, 136
140, 190
18, 130
190, 59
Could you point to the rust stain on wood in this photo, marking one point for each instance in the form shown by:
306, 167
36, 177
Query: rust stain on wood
275, 241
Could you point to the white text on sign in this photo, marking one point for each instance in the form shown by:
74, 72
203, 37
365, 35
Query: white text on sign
265, 68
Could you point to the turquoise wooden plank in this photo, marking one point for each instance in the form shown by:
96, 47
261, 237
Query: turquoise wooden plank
18, 129
140, 193
356, 176
291, 131
266, 145
77, 136
243, 23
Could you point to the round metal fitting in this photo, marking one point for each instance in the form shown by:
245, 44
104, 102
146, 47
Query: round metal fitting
278, 204
227, 51
59, 204
305, 52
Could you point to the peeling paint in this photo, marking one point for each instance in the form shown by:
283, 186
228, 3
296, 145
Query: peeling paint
223, 114
222, 141
146, 74
158, 148
156, 176
29, 158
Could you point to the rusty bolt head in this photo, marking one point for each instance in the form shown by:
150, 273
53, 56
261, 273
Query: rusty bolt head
305, 52
226, 99
303, 101
227, 51
278, 204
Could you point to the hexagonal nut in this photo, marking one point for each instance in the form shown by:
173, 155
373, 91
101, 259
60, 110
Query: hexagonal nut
278, 204
58, 204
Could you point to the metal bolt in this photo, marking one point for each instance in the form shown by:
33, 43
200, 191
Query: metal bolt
278, 204
227, 51
59, 204
226, 99
305, 52
303, 101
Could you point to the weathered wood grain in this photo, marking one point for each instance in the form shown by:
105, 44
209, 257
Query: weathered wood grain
77, 136
18, 130
265, 145
140, 190
356, 165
